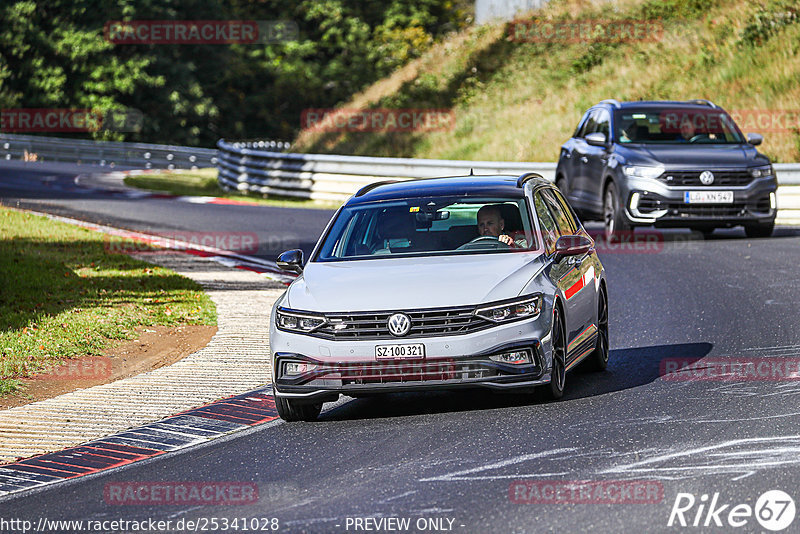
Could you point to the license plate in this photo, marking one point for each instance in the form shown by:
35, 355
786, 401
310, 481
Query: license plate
708, 197
414, 351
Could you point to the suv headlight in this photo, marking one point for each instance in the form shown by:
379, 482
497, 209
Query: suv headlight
761, 172
642, 171
523, 308
298, 321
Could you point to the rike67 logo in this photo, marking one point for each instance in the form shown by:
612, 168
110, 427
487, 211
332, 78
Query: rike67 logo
774, 510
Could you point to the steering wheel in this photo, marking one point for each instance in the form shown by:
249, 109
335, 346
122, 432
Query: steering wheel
698, 137
484, 242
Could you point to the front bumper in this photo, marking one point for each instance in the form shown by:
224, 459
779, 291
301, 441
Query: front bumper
451, 362
651, 202
358, 378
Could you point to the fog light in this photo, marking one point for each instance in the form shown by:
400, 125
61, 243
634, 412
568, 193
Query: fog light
773, 203
298, 368
516, 357
634, 201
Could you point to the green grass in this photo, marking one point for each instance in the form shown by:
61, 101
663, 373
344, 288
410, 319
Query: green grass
64, 295
203, 182
519, 101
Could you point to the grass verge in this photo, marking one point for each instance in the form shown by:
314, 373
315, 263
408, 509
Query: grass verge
517, 100
64, 295
203, 182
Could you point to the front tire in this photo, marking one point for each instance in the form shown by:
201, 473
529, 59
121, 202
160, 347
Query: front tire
613, 215
558, 372
290, 410
759, 230
598, 359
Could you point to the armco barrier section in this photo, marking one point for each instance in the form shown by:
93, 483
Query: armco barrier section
106, 153
251, 168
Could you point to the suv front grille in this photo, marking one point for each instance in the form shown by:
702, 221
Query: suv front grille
430, 322
692, 178
704, 211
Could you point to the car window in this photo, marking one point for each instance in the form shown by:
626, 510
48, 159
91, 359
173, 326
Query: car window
568, 211
547, 224
590, 126
603, 122
676, 126
581, 124
429, 226
561, 214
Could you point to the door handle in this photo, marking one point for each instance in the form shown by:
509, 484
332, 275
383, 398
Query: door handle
584, 159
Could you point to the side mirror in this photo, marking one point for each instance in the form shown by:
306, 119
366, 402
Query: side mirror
572, 245
597, 139
755, 139
291, 260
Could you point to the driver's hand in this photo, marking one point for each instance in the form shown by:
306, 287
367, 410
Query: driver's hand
506, 239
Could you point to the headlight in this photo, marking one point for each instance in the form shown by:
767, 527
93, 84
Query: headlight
523, 308
641, 171
761, 172
297, 321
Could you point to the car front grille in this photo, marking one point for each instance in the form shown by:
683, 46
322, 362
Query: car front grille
400, 372
692, 178
701, 211
430, 322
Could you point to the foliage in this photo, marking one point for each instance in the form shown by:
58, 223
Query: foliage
54, 54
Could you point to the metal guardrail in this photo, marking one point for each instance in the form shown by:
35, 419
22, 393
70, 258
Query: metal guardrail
248, 167
105, 153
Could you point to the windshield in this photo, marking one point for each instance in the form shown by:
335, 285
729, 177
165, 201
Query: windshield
671, 126
429, 226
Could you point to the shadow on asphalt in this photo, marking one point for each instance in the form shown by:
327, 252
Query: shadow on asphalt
627, 369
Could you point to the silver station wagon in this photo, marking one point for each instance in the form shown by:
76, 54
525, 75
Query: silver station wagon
440, 283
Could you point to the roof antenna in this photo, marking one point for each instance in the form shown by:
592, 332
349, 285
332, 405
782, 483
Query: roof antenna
471, 172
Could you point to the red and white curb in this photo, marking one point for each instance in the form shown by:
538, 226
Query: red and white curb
177, 432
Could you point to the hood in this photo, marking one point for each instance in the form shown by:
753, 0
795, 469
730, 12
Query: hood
681, 156
409, 283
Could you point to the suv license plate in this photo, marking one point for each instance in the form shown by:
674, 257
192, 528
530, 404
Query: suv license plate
708, 197
415, 351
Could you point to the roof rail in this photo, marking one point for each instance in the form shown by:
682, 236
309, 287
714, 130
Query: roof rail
367, 188
702, 102
613, 101
527, 176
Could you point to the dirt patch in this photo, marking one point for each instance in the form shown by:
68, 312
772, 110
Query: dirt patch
154, 347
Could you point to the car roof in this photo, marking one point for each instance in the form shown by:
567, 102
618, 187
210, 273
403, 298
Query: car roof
658, 104
464, 186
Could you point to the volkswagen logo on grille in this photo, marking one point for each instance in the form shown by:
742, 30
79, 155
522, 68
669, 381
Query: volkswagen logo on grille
707, 177
399, 324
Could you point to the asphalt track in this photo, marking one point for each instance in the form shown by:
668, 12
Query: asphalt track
455, 456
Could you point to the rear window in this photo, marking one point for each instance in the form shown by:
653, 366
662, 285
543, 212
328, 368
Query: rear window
676, 126
430, 227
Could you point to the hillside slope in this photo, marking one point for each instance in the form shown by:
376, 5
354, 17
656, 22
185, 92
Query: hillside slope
519, 101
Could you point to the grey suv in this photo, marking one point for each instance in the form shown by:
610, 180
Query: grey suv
665, 163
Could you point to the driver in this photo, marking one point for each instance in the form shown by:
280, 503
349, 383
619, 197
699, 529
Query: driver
491, 223
688, 130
